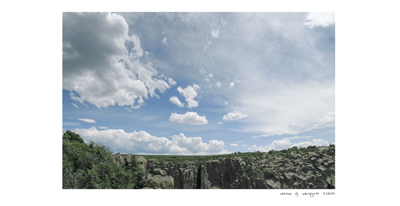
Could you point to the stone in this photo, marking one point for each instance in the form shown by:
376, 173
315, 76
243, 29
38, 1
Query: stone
159, 171
158, 181
142, 162
118, 159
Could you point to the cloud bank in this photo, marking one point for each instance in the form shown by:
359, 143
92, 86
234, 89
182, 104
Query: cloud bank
142, 142
286, 144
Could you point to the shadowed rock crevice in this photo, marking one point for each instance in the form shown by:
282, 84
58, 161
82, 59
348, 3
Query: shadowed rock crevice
199, 177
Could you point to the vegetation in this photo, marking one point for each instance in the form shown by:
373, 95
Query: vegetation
91, 166
246, 155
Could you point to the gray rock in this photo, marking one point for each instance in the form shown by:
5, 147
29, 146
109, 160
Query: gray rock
159, 171
158, 181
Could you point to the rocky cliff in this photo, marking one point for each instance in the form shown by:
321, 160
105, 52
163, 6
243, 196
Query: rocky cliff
292, 169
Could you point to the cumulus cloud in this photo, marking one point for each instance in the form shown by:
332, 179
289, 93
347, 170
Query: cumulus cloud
315, 19
188, 118
235, 115
232, 84
315, 142
75, 105
143, 142
103, 127
286, 144
88, 120
165, 41
218, 84
171, 82
196, 145
190, 93
233, 145
176, 101
98, 68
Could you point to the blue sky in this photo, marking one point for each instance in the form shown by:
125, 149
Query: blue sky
199, 83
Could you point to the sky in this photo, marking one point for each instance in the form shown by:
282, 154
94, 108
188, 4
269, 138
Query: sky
199, 83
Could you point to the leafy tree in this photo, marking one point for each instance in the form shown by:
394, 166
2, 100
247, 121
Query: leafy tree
72, 137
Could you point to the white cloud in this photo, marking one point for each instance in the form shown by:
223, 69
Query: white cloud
88, 120
128, 109
196, 145
214, 33
190, 93
176, 101
235, 115
233, 145
202, 71
171, 82
208, 44
226, 103
232, 84
315, 142
210, 75
223, 22
165, 41
218, 84
220, 123
290, 108
142, 142
103, 127
97, 66
286, 144
299, 137
75, 105
315, 19
188, 118
207, 80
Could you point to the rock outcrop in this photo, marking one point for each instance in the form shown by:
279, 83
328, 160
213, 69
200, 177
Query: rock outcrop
316, 170
290, 170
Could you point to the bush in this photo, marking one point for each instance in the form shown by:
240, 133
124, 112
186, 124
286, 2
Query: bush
72, 137
92, 167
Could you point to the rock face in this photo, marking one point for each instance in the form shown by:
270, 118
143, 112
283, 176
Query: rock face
316, 170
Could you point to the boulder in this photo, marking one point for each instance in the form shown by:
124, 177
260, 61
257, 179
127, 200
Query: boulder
159, 171
142, 162
118, 159
158, 181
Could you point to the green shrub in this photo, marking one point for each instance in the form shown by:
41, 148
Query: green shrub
92, 167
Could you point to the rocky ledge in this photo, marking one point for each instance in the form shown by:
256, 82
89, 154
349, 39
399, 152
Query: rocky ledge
293, 169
